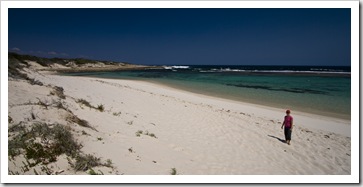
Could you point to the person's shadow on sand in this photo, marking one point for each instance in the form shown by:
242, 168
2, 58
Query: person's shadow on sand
281, 140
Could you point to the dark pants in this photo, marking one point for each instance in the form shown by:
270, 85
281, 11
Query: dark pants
288, 133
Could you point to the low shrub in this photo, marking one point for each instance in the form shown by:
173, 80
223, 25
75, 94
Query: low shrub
92, 172
75, 119
101, 108
55, 140
173, 171
138, 133
84, 102
59, 91
86, 162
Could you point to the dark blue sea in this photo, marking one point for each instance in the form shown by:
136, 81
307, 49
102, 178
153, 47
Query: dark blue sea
323, 90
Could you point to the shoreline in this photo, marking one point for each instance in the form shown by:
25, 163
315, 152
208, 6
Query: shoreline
147, 128
299, 109
266, 109
344, 117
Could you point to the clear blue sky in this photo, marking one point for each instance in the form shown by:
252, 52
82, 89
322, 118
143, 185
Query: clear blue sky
185, 36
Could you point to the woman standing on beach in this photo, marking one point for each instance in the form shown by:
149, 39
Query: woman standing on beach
288, 122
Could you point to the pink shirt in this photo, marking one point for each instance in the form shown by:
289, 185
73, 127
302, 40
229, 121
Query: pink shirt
288, 121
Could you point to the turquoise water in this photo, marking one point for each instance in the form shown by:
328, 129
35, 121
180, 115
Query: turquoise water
318, 90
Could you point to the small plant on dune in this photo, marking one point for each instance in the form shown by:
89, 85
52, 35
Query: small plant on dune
35, 82
17, 127
10, 120
43, 103
12, 173
108, 163
32, 115
138, 133
75, 119
85, 162
152, 135
84, 102
117, 114
58, 91
92, 172
60, 105
84, 132
35, 172
130, 122
99, 139
130, 150
46, 170
101, 108
173, 171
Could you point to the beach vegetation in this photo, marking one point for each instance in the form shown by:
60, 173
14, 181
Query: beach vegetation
130, 150
15, 68
152, 135
42, 143
46, 170
101, 108
60, 105
84, 133
16, 127
25, 167
75, 119
92, 172
35, 82
32, 115
173, 171
84, 102
99, 139
80, 61
23, 58
10, 120
58, 91
108, 163
15, 65
130, 122
18, 60
12, 173
138, 133
35, 172
43, 103
116, 113
85, 162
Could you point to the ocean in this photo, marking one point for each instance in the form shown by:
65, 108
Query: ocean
322, 90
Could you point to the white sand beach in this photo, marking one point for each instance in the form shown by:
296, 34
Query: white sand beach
149, 129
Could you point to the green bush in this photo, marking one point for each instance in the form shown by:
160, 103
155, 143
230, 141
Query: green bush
55, 141
86, 162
